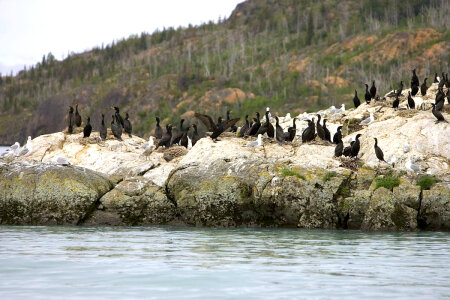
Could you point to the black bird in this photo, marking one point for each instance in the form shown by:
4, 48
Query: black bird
437, 114
338, 135
414, 79
395, 103
217, 129
184, 138
71, 121
245, 127
77, 117
195, 135
88, 128
400, 89
373, 90
127, 125
439, 100
367, 95
327, 132
338, 150
378, 151
436, 78
411, 103
103, 130
255, 127
310, 132
267, 127
320, 130
119, 119
166, 138
158, 130
356, 146
177, 137
280, 135
424, 87
116, 128
414, 89
442, 82
348, 150
448, 96
356, 100
447, 82
234, 127
292, 131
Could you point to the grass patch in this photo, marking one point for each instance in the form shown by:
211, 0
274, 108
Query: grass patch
328, 176
388, 182
426, 182
289, 172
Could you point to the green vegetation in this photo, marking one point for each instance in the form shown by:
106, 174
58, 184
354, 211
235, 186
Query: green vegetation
388, 182
328, 176
289, 172
427, 182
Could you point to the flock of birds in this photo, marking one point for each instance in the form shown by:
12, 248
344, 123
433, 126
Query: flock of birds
257, 127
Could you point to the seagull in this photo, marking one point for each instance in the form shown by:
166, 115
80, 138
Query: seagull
287, 117
406, 148
62, 161
13, 150
369, 120
392, 160
256, 143
412, 167
270, 116
27, 149
148, 144
303, 117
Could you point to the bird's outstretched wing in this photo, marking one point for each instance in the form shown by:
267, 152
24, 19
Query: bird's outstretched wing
229, 123
207, 120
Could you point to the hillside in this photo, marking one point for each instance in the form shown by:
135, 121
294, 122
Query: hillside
290, 55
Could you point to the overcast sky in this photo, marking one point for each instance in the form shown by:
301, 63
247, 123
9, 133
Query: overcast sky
31, 28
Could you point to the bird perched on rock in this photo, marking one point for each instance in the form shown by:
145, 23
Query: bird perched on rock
367, 95
71, 121
103, 130
411, 103
27, 149
119, 119
378, 151
310, 132
348, 150
292, 131
234, 127
177, 136
414, 79
267, 127
396, 103
255, 127
149, 143
77, 116
400, 89
436, 78
320, 130
356, 146
217, 129
406, 147
412, 167
279, 132
256, 143
442, 81
327, 132
373, 90
166, 138
158, 130
338, 135
88, 128
127, 125
195, 135
62, 161
184, 141
116, 128
437, 114
414, 90
369, 120
338, 150
424, 87
245, 127
356, 100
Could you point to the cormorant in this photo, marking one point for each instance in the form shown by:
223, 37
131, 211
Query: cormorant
234, 127
395, 103
356, 100
373, 90
88, 128
177, 137
327, 132
216, 129
411, 103
338, 135
414, 90
158, 130
292, 131
436, 78
119, 119
414, 79
310, 132
255, 127
245, 127
348, 150
437, 114
400, 89
71, 121
127, 125
378, 151
103, 130
356, 146
184, 141
166, 138
280, 136
339, 148
442, 81
367, 95
320, 130
195, 135
267, 127
116, 128
424, 87
77, 117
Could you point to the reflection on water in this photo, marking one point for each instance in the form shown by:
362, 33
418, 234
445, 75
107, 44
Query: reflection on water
192, 263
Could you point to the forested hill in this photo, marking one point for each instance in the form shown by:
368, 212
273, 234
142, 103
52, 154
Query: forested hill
289, 55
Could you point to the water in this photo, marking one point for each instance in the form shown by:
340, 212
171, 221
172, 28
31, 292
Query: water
193, 263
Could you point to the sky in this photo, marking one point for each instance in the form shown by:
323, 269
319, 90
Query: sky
29, 28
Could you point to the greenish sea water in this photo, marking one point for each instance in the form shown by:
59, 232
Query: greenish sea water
204, 263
